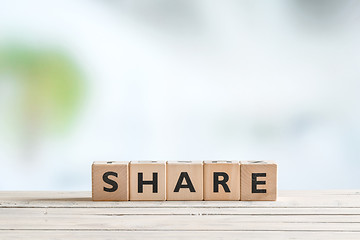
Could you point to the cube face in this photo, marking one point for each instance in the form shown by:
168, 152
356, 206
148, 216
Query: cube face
147, 181
184, 181
221, 180
110, 181
258, 181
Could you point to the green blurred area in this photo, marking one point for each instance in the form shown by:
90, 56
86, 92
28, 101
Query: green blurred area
50, 86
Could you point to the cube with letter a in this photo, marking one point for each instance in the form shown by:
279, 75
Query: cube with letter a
184, 180
258, 181
221, 180
147, 180
110, 181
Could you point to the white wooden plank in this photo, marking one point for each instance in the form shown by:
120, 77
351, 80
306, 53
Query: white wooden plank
79, 235
302, 199
13, 218
167, 222
179, 211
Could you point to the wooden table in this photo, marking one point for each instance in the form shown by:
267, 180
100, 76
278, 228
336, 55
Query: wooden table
72, 215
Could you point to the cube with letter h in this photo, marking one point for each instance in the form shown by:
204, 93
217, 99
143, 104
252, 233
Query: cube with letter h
147, 180
110, 181
258, 181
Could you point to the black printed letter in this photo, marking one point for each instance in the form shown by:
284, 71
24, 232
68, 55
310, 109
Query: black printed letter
184, 175
109, 181
222, 182
141, 182
255, 182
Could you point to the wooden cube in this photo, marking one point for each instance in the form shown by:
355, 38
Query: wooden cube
221, 180
258, 181
184, 180
110, 181
147, 181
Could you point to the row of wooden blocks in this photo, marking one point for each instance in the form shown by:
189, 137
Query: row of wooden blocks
184, 180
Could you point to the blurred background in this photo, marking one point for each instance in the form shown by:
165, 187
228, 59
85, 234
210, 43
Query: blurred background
179, 80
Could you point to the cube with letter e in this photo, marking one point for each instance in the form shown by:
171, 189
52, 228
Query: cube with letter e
258, 181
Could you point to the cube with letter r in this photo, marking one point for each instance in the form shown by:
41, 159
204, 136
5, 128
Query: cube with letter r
221, 180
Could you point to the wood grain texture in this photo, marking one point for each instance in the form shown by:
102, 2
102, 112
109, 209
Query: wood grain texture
193, 178
119, 174
73, 215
